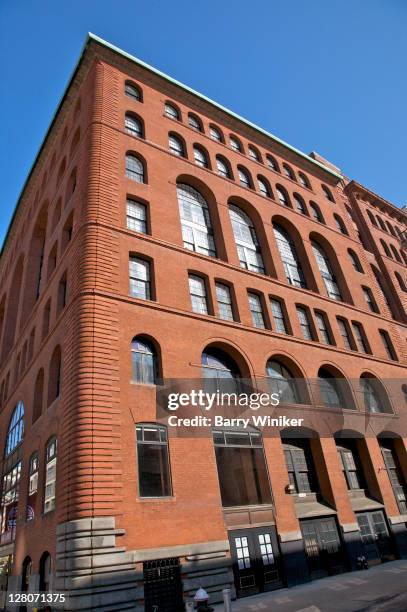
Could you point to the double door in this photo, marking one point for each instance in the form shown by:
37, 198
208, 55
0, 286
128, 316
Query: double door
256, 560
323, 547
375, 536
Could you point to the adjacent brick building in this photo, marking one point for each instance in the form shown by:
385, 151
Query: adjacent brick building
158, 237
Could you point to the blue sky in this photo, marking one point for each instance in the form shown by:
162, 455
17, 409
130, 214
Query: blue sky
324, 75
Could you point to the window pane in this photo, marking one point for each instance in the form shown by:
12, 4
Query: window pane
136, 216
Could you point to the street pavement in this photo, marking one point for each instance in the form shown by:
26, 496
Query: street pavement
382, 588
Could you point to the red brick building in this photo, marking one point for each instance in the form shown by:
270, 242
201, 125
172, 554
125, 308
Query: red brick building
158, 237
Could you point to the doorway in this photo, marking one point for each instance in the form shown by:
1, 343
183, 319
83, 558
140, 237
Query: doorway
256, 560
323, 547
375, 537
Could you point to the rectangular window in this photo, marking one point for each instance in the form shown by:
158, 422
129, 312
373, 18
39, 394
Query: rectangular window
136, 216
50, 476
345, 333
197, 290
278, 317
242, 469
370, 301
224, 300
388, 345
140, 279
300, 467
305, 323
322, 323
257, 310
360, 337
153, 461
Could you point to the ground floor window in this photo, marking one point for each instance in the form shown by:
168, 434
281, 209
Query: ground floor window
242, 468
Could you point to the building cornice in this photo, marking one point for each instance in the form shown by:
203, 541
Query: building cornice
96, 40
355, 188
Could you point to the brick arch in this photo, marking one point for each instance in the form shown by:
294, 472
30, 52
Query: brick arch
234, 352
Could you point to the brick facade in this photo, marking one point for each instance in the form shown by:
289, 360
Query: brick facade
101, 531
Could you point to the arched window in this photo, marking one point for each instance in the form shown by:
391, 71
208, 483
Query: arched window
282, 382
299, 204
134, 168
38, 396
327, 193
172, 112
134, 92
75, 141
400, 281
143, 361
218, 366
340, 225
316, 212
133, 125
201, 157
282, 195
10, 322
404, 256
50, 475
288, 254
26, 574
243, 476
304, 180
272, 163
330, 389
395, 253
235, 144
45, 572
215, 133
372, 218
391, 229
153, 461
223, 167
264, 186
244, 177
371, 395
15, 432
289, 172
386, 249
195, 123
71, 187
247, 245
54, 378
197, 232
381, 223
355, 261
57, 214
326, 272
61, 170
253, 153
176, 145
383, 290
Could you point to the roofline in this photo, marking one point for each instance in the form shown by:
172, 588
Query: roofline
150, 68
358, 186
212, 102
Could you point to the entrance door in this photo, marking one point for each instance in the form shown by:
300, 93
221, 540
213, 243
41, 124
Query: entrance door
256, 560
375, 537
163, 586
323, 547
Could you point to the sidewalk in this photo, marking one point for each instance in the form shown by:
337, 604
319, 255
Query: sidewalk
380, 589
